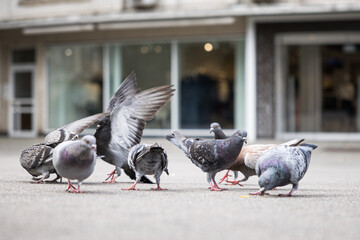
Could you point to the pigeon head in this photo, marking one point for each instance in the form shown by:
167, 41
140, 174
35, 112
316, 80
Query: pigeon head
105, 121
90, 140
241, 133
215, 127
269, 180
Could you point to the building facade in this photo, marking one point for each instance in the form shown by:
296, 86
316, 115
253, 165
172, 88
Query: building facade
276, 68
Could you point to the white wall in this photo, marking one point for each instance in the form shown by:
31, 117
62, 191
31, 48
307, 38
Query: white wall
12, 10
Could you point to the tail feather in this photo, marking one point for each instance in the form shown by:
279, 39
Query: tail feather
312, 146
132, 175
293, 143
178, 140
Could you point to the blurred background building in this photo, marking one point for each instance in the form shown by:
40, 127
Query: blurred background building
278, 68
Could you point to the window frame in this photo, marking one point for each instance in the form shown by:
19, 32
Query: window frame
239, 81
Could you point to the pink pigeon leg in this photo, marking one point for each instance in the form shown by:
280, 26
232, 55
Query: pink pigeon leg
288, 194
70, 186
214, 186
111, 177
158, 188
131, 188
225, 177
262, 193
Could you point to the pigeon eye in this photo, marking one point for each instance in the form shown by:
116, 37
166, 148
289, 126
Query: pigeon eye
267, 182
87, 141
216, 126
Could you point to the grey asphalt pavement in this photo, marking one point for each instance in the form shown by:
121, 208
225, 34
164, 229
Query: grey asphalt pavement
326, 205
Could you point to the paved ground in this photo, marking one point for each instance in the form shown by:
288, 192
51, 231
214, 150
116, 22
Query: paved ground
326, 206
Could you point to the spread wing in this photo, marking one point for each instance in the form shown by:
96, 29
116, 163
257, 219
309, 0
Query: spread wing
127, 89
128, 119
69, 131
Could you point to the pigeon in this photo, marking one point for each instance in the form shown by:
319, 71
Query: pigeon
283, 165
37, 159
249, 154
75, 160
147, 159
219, 134
129, 110
211, 156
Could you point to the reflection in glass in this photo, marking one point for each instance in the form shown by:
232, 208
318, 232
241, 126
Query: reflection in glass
322, 88
207, 84
151, 63
75, 83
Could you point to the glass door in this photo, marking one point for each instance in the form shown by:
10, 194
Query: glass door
22, 121
321, 88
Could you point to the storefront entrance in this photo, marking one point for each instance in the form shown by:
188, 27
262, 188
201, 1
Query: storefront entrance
22, 94
319, 82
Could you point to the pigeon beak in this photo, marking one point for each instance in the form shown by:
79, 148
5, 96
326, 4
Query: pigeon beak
262, 190
245, 139
93, 147
211, 130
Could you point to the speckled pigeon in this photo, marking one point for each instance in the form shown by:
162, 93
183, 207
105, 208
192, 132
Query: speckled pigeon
37, 159
211, 156
130, 110
75, 160
219, 134
283, 165
148, 159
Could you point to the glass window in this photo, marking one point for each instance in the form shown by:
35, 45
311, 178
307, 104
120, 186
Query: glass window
151, 63
23, 85
23, 56
207, 84
322, 88
75, 74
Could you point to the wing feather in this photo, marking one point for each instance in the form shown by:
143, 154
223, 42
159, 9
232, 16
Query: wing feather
128, 119
128, 88
35, 155
69, 131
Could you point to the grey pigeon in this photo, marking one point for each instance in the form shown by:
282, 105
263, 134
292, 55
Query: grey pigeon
219, 134
283, 165
147, 159
37, 159
130, 110
75, 160
211, 156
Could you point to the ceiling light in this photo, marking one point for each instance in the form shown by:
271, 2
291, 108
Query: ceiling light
208, 47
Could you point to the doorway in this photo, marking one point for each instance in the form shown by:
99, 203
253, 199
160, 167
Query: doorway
319, 83
22, 94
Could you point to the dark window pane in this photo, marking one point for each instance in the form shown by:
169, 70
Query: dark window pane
22, 121
23, 85
26, 121
322, 88
23, 56
207, 84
